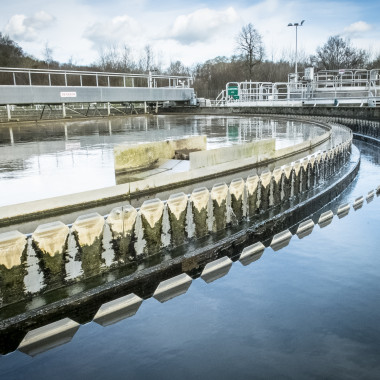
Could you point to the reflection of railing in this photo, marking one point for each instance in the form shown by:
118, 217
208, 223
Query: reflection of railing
30, 77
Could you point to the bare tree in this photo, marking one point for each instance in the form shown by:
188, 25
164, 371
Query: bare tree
109, 58
126, 59
150, 60
178, 68
147, 59
289, 55
47, 54
250, 45
116, 58
338, 53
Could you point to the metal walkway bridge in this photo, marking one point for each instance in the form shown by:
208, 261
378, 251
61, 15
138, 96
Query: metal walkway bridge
326, 87
63, 87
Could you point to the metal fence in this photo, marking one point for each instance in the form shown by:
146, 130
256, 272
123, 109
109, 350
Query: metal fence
327, 87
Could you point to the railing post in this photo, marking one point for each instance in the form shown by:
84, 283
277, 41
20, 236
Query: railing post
97, 80
108, 109
63, 110
108, 80
30, 78
65, 79
14, 79
80, 79
124, 81
49, 80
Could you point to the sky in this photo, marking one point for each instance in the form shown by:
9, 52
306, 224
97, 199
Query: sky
189, 31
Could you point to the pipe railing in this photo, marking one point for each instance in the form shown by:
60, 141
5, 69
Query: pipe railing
26, 75
334, 86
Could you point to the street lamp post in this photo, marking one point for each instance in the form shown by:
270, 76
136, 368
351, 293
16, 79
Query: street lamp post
296, 24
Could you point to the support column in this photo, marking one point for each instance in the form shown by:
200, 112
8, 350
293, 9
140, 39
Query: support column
144, 107
63, 110
156, 107
9, 112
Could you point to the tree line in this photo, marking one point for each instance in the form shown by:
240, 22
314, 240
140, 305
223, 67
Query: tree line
210, 77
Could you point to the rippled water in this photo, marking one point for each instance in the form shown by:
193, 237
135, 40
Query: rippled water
40, 161
310, 310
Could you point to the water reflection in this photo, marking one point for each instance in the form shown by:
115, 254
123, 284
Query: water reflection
66, 157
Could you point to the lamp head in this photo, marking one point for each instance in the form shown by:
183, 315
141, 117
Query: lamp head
302, 22
290, 24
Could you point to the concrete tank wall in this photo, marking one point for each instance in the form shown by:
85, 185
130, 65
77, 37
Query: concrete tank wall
129, 234
137, 157
358, 113
258, 150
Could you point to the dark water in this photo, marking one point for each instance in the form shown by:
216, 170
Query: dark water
310, 310
41, 161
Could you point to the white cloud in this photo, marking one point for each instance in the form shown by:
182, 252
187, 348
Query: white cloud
119, 29
357, 29
191, 31
201, 25
25, 28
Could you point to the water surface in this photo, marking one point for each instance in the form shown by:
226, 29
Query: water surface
310, 310
41, 161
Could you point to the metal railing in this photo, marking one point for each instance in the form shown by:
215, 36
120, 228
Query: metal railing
72, 78
335, 87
